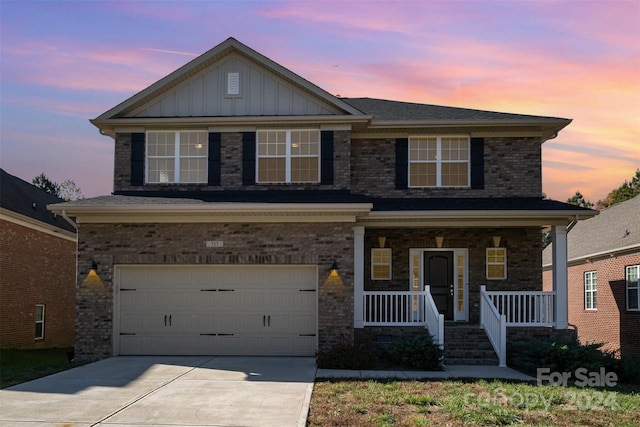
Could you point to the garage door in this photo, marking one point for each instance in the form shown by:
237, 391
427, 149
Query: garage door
216, 310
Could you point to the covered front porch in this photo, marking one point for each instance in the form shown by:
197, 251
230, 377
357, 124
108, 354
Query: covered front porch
485, 273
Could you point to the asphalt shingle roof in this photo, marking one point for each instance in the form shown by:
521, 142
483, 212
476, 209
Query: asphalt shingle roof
614, 228
386, 110
26, 199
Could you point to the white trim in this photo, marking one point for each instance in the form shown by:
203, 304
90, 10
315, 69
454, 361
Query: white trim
41, 337
594, 292
626, 288
457, 315
36, 225
358, 277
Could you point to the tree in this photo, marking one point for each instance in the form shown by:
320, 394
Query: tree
626, 191
67, 190
579, 200
43, 182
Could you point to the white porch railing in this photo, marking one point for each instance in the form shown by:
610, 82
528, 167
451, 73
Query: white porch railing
495, 326
524, 308
403, 308
435, 320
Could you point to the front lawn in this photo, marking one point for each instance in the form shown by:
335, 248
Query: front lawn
18, 366
455, 403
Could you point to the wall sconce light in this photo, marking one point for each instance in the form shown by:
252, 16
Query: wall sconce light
334, 269
94, 265
496, 241
439, 240
93, 281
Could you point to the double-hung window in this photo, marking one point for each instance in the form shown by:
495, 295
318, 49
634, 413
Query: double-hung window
591, 290
288, 156
177, 157
381, 264
39, 321
632, 276
496, 263
436, 161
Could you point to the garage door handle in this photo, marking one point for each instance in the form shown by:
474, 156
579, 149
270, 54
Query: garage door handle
169, 320
264, 321
165, 320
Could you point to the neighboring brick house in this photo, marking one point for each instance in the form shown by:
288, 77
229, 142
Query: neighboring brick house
37, 269
604, 286
239, 187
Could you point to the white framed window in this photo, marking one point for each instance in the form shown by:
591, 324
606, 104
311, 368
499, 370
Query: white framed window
632, 277
177, 157
39, 321
496, 263
591, 290
381, 264
438, 161
288, 156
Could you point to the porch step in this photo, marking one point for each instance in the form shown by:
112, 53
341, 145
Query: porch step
467, 344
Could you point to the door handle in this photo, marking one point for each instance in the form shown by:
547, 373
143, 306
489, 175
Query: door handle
169, 320
165, 320
264, 321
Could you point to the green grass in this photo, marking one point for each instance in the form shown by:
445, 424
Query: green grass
477, 403
18, 366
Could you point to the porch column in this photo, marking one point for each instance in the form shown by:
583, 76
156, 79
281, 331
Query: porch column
358, 277
560, 276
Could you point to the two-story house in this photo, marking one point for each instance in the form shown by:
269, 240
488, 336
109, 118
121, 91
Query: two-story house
254, 213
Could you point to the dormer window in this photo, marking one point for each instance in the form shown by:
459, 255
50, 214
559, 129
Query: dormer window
177, 157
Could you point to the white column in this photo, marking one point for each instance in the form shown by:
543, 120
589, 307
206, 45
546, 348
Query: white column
358, 277
560, 276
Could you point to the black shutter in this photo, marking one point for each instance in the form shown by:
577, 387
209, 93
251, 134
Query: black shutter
402, 163
137, 158
248, 158
477, 163
326, 157
215, 158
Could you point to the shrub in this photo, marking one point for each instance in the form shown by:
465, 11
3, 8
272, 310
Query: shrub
567, 355
418, 352
343, 355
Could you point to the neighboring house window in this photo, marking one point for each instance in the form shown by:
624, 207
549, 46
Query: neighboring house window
439, 162
39, 321
632, 275
381, 264
177, 157
591, 290
496, 263
288, 156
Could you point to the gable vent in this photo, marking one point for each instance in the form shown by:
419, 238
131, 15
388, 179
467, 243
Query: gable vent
233, 83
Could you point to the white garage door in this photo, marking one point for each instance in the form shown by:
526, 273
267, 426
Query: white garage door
216, 310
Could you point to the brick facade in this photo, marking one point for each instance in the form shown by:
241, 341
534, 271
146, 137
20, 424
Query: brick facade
511, 169
611, 323
36, 268
184, 244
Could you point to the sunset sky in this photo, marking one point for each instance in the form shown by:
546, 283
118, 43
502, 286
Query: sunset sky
65, 62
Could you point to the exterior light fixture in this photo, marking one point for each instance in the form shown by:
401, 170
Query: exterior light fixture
94, 265
334, 269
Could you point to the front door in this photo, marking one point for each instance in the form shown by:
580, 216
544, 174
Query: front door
438, 275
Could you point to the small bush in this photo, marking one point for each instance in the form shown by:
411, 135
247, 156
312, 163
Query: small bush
568, 355
417, 352
344, 355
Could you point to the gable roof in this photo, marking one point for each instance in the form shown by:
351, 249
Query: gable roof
615, 230
208, 59
29, 201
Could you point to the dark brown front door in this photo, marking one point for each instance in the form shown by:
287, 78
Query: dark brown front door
439, 275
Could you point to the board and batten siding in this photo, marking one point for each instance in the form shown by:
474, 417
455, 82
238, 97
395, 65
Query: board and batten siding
261, 94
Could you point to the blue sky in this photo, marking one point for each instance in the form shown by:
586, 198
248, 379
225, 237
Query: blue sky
65, 62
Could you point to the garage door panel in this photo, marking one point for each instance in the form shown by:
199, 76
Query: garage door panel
208, 310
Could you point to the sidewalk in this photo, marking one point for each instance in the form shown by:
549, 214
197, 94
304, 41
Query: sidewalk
450, 372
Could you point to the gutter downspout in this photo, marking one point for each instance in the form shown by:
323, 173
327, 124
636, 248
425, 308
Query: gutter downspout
69, 220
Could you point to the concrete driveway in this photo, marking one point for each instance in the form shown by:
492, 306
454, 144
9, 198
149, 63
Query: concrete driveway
167, 390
